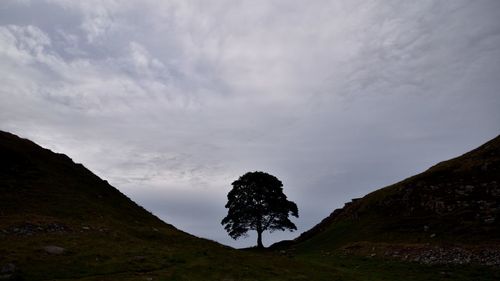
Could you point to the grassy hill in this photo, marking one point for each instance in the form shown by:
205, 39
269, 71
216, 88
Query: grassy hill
59, 221
454, 204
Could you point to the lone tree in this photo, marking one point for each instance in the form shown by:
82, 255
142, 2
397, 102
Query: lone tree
257, 202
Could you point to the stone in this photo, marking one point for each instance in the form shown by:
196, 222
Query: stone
54, 250
489, 220
138, 258
8, 268
8, 271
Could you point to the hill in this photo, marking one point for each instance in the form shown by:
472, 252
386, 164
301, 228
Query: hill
45, 187
453, 205
59, 221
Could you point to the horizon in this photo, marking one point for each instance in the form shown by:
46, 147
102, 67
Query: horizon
266, 231
170, 102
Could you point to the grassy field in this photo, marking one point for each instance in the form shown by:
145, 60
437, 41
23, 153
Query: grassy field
147, 254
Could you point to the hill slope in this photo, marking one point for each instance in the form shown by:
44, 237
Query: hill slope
454, 202
46, 187
60, 221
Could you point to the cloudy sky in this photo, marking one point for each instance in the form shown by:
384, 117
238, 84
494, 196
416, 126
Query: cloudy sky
171, 101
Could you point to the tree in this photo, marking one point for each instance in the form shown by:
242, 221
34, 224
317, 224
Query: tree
257, 202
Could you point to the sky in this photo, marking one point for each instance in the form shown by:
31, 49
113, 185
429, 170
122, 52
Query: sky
171, 101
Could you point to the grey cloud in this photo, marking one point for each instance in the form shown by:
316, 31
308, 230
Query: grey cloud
173, 100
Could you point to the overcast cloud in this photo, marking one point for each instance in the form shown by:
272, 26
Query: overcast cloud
171, 101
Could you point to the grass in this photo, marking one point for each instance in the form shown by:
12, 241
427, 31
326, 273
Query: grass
109, 237
180, 257
141, 252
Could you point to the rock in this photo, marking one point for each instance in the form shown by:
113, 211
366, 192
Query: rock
432, 235
54, 250
8, 272
7, 277
29, 229
445, 274
8, 268
85, 227
138, 258
489, 220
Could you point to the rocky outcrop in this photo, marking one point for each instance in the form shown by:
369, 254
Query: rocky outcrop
487, 255
28, 229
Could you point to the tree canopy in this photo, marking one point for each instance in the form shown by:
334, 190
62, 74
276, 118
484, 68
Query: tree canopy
257, 202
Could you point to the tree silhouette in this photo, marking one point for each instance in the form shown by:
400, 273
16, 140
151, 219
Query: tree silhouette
257, 202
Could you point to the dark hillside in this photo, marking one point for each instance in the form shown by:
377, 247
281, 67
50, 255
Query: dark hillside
454, 202
41, 185
59, 221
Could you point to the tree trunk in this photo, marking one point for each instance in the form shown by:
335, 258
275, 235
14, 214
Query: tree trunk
259, 239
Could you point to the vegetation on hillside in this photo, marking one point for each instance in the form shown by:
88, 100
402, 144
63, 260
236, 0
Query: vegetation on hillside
59, 221
447, 214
